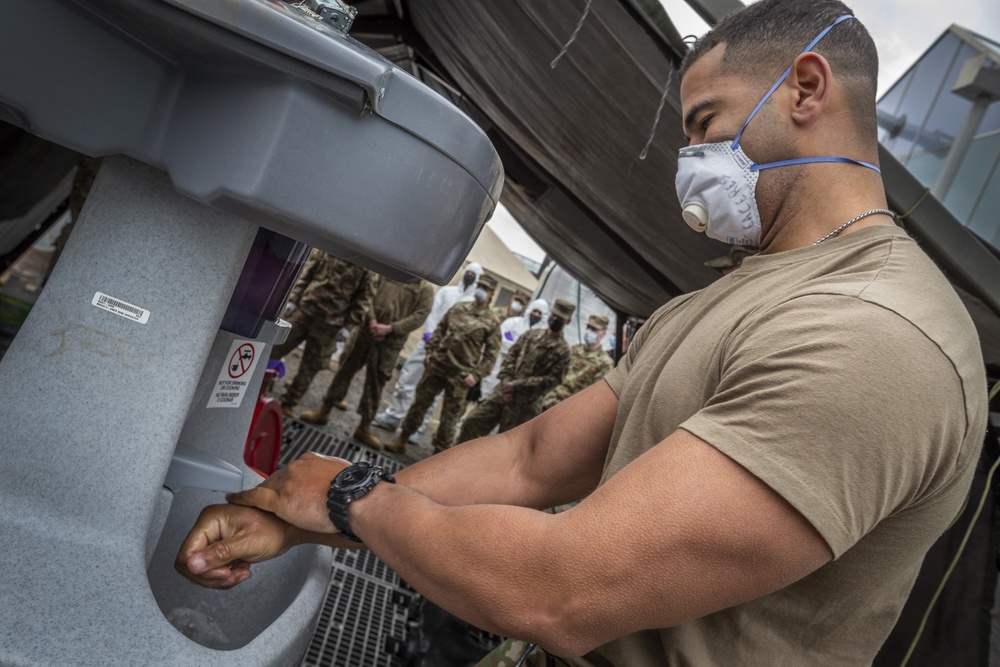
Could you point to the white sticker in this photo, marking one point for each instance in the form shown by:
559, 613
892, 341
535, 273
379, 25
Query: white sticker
234, 378
119, 307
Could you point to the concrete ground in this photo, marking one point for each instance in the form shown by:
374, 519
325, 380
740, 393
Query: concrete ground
343, 423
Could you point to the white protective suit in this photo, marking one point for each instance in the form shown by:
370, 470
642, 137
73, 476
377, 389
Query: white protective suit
510, 330
413, 369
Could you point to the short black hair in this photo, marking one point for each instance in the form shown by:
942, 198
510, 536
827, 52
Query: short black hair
763, 39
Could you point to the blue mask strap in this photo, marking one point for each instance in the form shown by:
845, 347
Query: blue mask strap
809, 160
736, 141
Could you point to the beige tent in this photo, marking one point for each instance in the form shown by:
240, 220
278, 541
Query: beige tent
498, 261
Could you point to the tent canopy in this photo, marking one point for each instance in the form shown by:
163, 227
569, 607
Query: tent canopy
579, 99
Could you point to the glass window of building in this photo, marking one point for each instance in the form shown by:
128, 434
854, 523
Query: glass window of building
922, 117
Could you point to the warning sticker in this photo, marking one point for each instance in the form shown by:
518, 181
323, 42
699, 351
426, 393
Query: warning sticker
119, 307
234, 378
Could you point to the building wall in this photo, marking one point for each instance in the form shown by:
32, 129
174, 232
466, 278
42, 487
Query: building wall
931, 116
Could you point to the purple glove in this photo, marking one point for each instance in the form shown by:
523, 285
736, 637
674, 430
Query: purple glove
509, 335
427, 336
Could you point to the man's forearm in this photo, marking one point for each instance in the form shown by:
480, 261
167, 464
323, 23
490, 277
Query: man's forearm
527, 466
483, 581
455, 476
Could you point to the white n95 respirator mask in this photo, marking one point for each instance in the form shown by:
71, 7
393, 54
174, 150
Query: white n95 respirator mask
716, 182
715, 186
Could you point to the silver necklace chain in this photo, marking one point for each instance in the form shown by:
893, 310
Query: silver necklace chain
855, 219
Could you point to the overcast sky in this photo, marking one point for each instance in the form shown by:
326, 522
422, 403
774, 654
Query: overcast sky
902, 30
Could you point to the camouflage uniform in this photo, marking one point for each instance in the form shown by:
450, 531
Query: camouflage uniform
466, 341
331, 293
404, 306
533, 366
509, 652
585, 368
503, 312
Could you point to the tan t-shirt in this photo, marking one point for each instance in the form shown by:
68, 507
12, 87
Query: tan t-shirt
848, 377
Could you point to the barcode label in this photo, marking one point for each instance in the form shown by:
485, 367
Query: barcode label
118, 307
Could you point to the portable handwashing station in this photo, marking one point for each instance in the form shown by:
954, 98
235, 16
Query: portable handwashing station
236, 133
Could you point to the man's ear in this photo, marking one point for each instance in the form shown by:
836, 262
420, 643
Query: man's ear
812, 82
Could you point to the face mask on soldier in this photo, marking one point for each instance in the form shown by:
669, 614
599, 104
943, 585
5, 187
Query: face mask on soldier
556, 324
468, 278
534, 318
717, 182
481, 295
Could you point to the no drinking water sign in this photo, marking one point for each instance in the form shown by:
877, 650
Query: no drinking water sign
235, 376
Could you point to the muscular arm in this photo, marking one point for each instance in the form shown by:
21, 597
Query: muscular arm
529, 467
679, 533
548, 461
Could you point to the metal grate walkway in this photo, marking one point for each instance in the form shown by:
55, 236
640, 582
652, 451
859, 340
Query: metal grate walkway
298, 438
370, 617
362, 623
363, 619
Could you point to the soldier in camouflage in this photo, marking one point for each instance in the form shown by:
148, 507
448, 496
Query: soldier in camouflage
515, 653
533, 366
459, 354
397, 309
588, 363
330, 294
515, 306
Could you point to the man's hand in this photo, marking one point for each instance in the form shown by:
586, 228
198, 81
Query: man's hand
224, 541
507, 388
469, 381
297, 493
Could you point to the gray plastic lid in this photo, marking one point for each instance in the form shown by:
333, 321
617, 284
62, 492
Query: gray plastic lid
259, 110
390, 92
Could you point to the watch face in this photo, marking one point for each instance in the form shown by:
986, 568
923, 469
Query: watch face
353, 475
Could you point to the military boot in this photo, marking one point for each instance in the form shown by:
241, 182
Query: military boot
320, 416
364, 435
288, 410
398, 444
340, 405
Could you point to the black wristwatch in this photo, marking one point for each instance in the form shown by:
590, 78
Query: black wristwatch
351, 483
